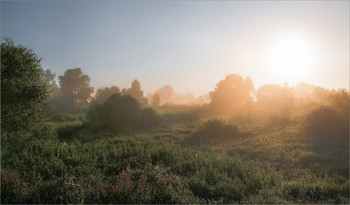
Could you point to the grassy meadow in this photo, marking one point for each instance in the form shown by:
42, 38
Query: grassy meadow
185, 160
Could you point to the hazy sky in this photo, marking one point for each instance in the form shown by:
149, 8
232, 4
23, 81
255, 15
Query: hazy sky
191, 45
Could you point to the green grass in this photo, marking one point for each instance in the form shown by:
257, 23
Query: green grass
261, 166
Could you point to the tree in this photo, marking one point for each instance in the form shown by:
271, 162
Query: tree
76, 85
234, 94
155, 100
135, 92
49, 77
103, 94
166, 94
275, 99
23, 91
340, 100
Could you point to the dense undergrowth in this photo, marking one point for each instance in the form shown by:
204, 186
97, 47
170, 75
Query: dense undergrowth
247, 164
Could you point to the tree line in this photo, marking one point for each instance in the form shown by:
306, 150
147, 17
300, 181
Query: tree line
27, 89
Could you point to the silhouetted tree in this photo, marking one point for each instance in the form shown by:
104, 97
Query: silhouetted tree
340, 100
135, 92
76, 85
166, 94
232, 95
275, 99
103, 94
155, 100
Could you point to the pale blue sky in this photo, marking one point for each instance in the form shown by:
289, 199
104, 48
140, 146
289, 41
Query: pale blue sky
191, 45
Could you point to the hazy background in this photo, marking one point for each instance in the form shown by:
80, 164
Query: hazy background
190, 45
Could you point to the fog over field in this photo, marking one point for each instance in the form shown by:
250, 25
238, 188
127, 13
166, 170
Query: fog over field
191, 102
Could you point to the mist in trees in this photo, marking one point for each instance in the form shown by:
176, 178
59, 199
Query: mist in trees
167, 95
26, 88
49, 78
73, 83
232, 95
103, 94
135, 92
74, 94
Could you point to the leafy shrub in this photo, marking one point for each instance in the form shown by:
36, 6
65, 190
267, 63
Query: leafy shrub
215, 131
121, 113
325, 125
218, 127
148, 118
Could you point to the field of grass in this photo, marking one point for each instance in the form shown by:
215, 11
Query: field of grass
183, 161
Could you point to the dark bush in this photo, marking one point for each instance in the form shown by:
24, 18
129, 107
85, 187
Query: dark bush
324, 124
121, 114
218, 127
148, 118
215, 131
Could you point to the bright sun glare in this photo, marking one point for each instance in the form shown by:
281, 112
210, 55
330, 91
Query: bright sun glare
291, 59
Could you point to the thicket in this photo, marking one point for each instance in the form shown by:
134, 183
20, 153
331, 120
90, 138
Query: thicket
327, 128
120, 114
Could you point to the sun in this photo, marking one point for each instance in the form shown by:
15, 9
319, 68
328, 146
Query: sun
291, 59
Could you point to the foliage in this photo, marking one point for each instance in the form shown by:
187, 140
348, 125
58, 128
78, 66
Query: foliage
155, 100
23, 91
135, 92
121, 113
76, 85
325, 124
49, 78
232, 95
215, 131
275, 100
62, 117
103, 94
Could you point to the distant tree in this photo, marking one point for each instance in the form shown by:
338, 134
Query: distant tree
187, 99
103, 94
49, 78
166, 94
76, 85
340, 100
155, 100
232, 95
275, 99
23, 91
135, 92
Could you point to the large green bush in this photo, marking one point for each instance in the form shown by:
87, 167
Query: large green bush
325, 125
215, 131
23, 93
121, 113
